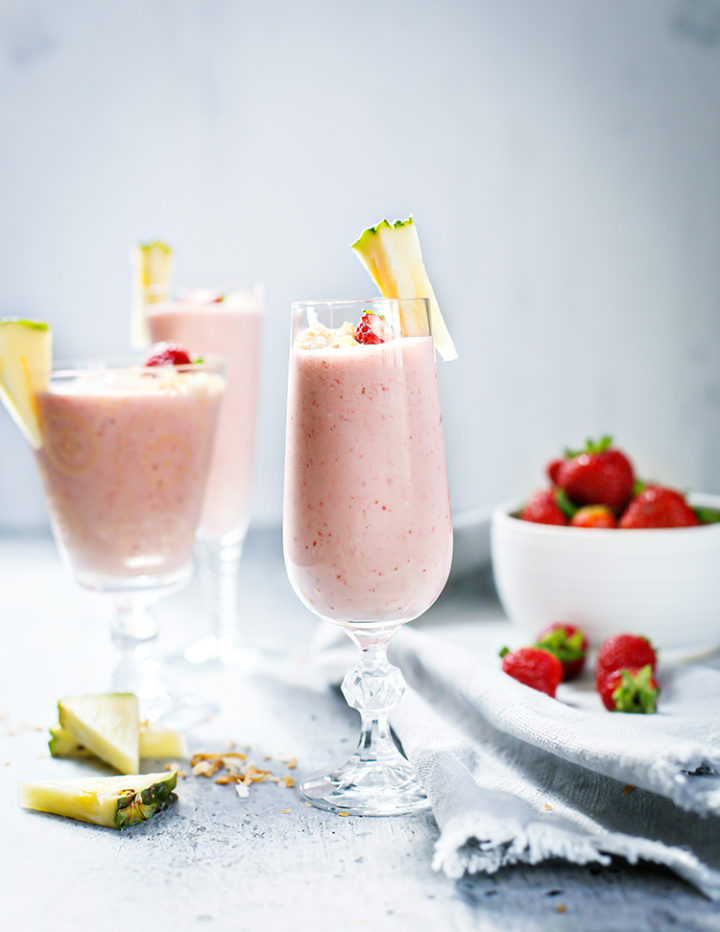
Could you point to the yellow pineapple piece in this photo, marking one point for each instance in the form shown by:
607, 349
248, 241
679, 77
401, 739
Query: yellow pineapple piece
25, 364
115, 802
391, 253
153, 265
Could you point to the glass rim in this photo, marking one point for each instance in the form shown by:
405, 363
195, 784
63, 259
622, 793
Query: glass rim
245, 287
74, 367
354, 302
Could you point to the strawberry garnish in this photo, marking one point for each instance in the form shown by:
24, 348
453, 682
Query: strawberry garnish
630, 690
623, 651
568, 644
597, 475
533, 666
168, 354
373, 328
658, 507
542, 508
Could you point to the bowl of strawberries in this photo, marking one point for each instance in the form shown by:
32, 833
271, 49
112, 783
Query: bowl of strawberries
600, 548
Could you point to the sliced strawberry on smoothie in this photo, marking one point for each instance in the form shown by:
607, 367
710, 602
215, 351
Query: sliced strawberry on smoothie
25, 364
391, 253
168, 354
373, 328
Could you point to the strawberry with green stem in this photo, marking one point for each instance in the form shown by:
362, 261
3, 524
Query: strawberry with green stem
634, 689
598, 475
568, 643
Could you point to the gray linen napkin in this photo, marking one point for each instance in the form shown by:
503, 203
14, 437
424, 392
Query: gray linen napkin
515, 776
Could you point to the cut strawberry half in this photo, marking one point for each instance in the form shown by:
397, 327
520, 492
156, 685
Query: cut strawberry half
168, 354
373, 328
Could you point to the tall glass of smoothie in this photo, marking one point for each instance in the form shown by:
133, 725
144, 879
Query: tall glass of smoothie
227, 325
124, 458
367, 531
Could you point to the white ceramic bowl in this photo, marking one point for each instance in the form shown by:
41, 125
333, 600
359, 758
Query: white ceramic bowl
662, 583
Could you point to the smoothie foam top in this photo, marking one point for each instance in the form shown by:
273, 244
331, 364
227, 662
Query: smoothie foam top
163, 380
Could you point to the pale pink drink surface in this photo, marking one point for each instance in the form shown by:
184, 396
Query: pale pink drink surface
230, 329
124, 462
367, 524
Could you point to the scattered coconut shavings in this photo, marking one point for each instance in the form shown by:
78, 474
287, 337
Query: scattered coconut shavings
233, 767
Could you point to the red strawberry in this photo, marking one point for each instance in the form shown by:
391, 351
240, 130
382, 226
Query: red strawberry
168, 354
594, 516
373, 328
569, 645
658, 507
533, 666
634, 689
553, 470
598, 475
623, 651
542, 508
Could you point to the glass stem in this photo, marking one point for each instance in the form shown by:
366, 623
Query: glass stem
218, 567
374, 686
133, 627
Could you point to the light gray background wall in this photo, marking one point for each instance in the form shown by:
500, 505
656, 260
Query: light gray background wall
562, 161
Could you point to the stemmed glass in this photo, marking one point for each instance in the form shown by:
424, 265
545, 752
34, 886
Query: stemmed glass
124, 462
367, 531
207, 321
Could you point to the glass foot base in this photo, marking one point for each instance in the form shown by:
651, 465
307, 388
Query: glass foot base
157, 701
368, 788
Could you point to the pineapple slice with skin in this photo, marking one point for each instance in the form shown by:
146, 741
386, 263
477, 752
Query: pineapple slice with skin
105, 724
155, 741
115, 802
152, 276
25, 364
391, 253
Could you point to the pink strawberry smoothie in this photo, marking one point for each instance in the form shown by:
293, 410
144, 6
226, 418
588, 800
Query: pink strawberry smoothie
367, 525
124, 463
230, 329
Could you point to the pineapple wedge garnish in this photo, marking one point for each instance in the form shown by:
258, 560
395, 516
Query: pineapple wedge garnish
152, 277
391, 253
105, 724
112, 801
25, 364
154, 741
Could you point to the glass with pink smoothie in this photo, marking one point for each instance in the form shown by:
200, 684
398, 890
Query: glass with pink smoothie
227, 325
124, 462
367, 528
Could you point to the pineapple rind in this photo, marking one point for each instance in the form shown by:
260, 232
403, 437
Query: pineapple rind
62, 744
114, 802
105, 724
